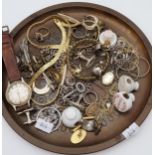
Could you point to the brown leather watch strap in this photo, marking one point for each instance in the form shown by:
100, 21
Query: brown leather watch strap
9, 56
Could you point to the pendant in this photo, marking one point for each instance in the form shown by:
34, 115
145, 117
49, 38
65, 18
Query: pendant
78, 136
107, 78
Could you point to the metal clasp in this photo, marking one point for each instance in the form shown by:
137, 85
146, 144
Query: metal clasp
5, 29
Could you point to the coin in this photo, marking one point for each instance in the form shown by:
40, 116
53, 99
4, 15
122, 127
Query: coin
78, 136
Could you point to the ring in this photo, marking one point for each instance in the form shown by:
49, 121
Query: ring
42, 34
79, 32
90, 22
70, 81
86, 100
80, 87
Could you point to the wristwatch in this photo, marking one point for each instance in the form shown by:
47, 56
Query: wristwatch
18, 92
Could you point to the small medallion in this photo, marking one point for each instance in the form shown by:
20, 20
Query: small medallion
108, 78
78, 136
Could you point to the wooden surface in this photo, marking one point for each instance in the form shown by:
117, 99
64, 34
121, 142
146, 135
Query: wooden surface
111, 134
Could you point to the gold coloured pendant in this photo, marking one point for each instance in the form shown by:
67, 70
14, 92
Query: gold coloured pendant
78, 136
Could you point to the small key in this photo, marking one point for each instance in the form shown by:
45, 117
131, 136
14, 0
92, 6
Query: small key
69, 94
79, 88
77, 103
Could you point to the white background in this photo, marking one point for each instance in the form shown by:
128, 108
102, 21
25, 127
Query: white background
139, 11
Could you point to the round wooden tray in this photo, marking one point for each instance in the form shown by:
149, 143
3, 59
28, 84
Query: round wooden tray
111, 134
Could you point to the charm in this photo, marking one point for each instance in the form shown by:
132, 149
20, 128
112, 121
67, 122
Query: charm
108, 78
70, 116
78, 136
127, 84
123, 101
97, 71
78, 69
89, 125
108, 38
108, 105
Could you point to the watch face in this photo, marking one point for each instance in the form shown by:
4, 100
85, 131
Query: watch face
18, 93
